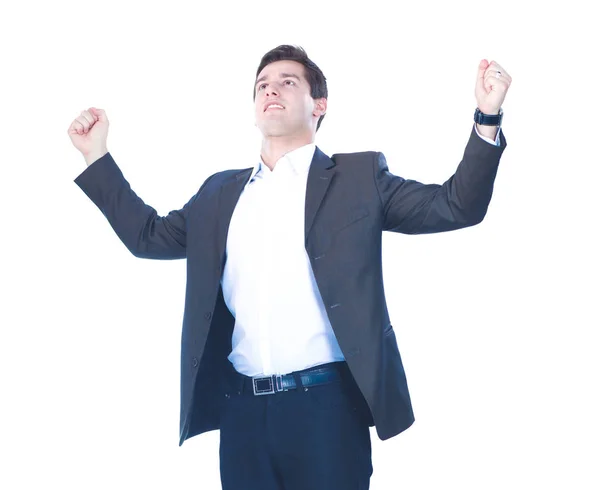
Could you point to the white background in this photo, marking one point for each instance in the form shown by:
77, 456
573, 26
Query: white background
496, 324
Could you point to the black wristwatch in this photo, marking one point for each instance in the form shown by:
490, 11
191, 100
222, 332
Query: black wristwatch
488, 119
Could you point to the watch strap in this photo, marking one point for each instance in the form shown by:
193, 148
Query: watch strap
488, 119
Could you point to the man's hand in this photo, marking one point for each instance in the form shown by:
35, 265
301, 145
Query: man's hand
490, 91
89, 132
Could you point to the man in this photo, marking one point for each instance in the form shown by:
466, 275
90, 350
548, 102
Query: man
287, 346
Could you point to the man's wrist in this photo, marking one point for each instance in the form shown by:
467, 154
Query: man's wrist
487, 131
94, 155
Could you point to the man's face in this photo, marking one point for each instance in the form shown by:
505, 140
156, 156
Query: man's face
295, 112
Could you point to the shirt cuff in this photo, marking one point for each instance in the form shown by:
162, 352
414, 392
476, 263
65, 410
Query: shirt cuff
489, 140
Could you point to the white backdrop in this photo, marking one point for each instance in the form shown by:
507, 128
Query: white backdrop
496, 324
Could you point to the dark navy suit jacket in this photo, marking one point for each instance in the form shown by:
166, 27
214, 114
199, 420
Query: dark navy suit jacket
350, 200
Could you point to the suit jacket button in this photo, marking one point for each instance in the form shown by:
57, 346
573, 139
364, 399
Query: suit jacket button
208, 315
194, 362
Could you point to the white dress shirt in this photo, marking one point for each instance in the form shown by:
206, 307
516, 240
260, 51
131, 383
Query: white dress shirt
268, 285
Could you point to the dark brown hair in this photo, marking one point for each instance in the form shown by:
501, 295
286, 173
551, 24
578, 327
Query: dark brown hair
312, 73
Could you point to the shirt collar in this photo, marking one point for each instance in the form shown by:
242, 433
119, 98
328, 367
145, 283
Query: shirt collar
298, 159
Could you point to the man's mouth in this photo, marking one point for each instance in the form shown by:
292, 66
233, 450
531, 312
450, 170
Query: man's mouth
274, 106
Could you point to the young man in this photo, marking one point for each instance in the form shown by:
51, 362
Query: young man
287, 346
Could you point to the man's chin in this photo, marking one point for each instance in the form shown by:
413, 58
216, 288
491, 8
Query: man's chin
274, 130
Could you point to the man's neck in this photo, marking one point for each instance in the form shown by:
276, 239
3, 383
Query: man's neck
273, 148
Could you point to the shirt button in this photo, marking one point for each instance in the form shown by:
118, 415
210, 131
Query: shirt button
194, 362
208, 315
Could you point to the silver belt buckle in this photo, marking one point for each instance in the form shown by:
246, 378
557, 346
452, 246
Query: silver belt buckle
267, 385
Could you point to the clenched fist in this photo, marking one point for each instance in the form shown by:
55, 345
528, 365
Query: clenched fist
89, 132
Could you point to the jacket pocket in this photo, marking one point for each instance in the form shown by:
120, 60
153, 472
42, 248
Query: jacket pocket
351, 217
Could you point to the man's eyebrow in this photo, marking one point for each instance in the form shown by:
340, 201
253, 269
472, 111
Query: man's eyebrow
281, 75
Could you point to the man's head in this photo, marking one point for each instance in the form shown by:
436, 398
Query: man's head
286, 76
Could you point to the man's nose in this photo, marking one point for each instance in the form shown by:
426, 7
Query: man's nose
271, 91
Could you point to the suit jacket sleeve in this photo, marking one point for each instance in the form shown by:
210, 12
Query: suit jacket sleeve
414, 208
137, 224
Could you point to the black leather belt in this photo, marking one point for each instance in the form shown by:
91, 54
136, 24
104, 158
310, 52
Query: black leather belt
267, 385
276, 383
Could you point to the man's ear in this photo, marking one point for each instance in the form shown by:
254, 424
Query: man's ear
320, 107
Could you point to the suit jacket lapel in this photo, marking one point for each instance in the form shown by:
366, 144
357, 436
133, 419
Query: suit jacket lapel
320, 176
228, 197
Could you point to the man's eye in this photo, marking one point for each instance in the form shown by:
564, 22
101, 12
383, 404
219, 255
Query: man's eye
291, 81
